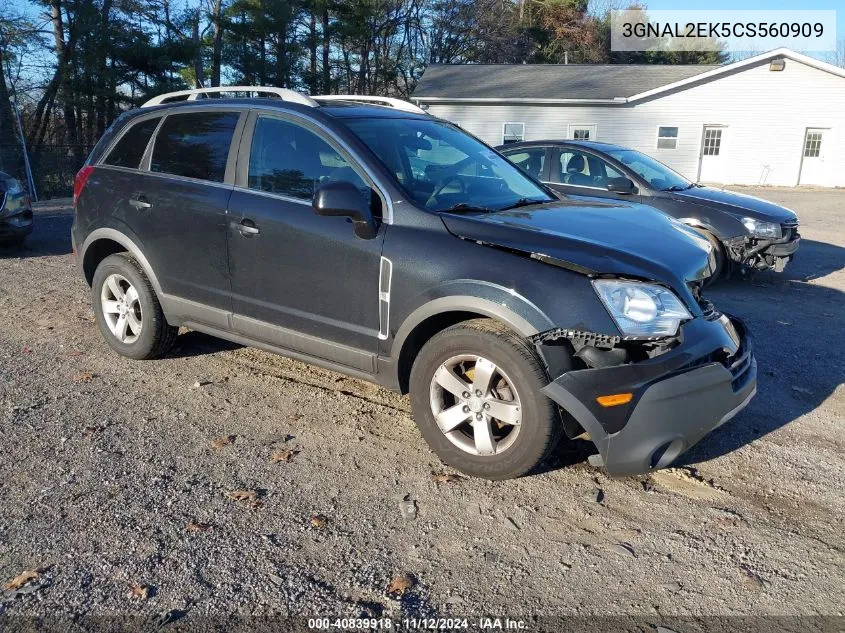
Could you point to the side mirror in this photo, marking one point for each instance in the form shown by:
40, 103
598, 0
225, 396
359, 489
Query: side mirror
621, 185
345, 200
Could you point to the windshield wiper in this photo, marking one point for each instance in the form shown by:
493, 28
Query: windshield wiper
524, 202
679, 187
468, 208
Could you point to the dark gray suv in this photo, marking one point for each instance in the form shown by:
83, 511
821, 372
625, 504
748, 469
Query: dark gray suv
395, 247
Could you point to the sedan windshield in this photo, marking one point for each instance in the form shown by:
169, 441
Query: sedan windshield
442, 168
658, 175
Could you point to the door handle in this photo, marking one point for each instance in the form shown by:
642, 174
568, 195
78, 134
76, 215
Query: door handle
247, 227
140, 202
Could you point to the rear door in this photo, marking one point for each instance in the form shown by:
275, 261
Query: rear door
178, 207
301, 281
534, 161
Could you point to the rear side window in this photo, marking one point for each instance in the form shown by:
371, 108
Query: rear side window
130, 148
194, 145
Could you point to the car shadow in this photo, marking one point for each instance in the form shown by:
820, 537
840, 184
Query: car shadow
796, 322
193, 343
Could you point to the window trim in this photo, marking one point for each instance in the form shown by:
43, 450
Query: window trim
241, 170
676, 137
505, 124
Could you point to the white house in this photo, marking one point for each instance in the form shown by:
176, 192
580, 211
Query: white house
774, 119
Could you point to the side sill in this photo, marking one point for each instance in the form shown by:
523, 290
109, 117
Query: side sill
380, 380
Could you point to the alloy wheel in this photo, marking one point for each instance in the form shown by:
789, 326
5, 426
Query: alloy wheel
121, 308
475, 405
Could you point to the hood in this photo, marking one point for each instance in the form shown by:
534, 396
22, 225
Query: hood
736, 203
593, 237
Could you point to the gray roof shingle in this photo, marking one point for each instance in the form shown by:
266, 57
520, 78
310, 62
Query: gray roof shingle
548, 81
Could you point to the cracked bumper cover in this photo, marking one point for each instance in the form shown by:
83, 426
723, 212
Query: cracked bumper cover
679, 396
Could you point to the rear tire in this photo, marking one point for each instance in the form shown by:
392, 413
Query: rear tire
480, 444
127, 310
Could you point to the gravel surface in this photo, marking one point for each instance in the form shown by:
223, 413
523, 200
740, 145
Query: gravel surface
112, 478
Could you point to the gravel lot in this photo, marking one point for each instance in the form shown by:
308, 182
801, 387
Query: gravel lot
106, 462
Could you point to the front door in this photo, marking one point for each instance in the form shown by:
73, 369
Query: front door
301, 281
582, 174
814, 167
711, 162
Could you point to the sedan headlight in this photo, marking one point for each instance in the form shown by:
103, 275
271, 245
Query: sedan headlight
758, 228
641, 309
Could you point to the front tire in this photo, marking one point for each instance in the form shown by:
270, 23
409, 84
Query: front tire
720, 256
475, 394
127, 310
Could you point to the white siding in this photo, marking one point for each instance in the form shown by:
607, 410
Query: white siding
766, 114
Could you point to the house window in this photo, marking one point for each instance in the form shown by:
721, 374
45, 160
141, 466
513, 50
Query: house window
513, 133
712, 141
582, 132
667, 137
813, 145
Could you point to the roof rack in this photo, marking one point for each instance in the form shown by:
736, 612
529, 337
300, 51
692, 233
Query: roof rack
199, 93
390, 102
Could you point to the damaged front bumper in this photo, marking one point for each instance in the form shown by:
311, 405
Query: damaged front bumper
763, 254
678, 396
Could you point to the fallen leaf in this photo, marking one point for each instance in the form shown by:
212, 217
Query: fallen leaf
26, 350
400, 585
223, 440
138, 592
194, 526
283, 456
319, 521
88, 431
76, 353
257, 503
242, 495
83, 376
20, 580
445, 478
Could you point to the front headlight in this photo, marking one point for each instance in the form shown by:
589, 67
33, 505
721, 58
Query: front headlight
758, 228
641, 309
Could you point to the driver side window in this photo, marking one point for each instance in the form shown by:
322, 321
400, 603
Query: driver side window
291, 160
581, 169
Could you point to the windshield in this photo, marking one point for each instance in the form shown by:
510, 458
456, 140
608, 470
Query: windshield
442, 168
658, 175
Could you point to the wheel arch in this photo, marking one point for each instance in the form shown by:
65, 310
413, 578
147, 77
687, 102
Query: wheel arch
439, 314
106, 241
